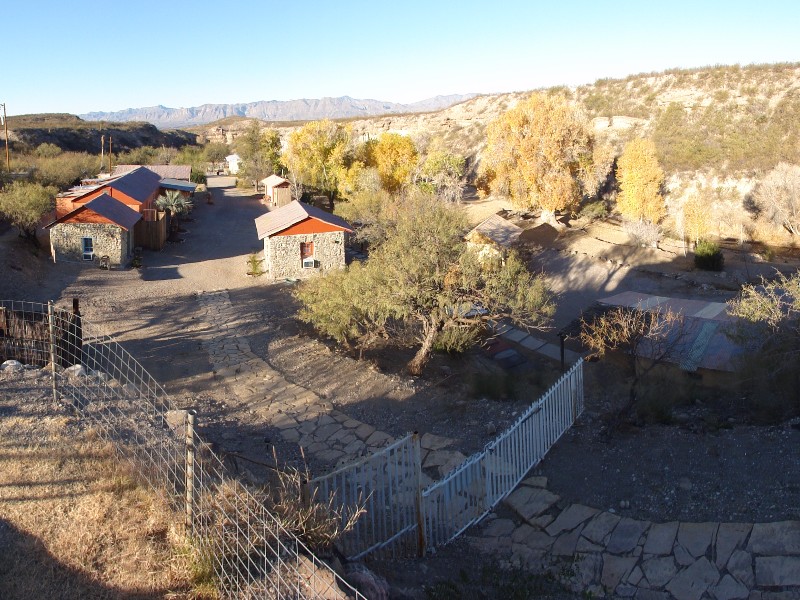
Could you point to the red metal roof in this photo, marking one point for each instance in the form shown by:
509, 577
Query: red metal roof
108, 207
284, 217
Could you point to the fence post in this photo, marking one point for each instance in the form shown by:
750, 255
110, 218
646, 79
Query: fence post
417, 457
51, 321
190, 459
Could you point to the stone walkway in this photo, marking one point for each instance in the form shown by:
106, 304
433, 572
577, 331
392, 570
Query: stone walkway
613, 556
534, 344
327, 435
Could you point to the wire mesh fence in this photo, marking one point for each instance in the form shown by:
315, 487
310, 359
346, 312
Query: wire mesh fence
244, 547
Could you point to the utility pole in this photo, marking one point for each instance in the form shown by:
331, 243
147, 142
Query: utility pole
109, 153
102, 151
5, 126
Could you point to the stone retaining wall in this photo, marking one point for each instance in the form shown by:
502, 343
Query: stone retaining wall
612, 556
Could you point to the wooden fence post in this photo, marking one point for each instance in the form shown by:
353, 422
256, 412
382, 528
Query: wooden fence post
190, 460
417, 457
51, 320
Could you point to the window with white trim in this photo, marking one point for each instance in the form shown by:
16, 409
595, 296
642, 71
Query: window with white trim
307, 255
87, 245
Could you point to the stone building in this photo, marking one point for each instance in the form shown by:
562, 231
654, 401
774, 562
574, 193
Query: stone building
493, 236
301, 240
101, 227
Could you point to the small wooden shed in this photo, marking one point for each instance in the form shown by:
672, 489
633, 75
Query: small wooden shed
277, 191
493, 236
301, 240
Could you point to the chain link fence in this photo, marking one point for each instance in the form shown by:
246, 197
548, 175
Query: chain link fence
244, 547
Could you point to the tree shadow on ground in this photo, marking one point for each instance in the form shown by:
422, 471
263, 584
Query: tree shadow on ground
28, 571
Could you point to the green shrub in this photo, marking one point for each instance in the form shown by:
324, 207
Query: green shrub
455, 340
594, 211
708, 256
197, 176
254, 268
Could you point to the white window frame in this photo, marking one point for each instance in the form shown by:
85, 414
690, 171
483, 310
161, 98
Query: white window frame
310, 261
87, 254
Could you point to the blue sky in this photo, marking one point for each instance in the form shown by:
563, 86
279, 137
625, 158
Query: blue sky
81, 55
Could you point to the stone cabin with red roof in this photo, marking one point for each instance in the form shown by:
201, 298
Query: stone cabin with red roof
102, 226
301, 240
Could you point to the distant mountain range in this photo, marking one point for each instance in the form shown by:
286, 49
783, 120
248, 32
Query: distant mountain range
274, 110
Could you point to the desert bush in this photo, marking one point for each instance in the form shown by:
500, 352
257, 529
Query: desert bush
593, 211
65, 169
708, 256
143, 155
254, 268
456, 340
643, 232
237, 521
778, 197
47, 150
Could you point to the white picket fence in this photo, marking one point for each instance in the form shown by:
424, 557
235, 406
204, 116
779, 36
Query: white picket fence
405, 519
469, 492
387, 484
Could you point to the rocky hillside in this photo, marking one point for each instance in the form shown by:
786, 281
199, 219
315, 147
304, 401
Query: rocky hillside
724, 120
275, 110
462, 126
72, 133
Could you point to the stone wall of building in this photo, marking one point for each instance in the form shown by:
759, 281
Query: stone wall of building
282, 254
109, 240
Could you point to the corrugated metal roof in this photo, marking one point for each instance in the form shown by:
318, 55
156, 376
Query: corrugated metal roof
284, 217
705, 344
178, 184
164, 171
273, 180
499, 230
139, 184
108, 207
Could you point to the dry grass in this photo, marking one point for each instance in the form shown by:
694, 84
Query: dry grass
75, 524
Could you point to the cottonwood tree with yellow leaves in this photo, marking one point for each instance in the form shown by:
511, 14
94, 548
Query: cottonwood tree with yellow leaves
540, 155
317, 156
395, 158
640, 179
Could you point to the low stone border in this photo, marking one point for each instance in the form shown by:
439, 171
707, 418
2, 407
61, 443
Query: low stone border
607, 555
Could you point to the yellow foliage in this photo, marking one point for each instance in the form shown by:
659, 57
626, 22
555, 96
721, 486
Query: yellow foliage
640, 178
395, 157
317, 154
696, 218
538, 153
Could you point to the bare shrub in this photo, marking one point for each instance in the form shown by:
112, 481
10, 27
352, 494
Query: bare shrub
644, 232
778, 197
317, 522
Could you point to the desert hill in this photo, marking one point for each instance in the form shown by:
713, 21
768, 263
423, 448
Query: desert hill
274, 110
72, 133
723, 119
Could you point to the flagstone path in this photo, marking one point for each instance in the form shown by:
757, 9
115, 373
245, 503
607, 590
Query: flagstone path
613, 556
328, 436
